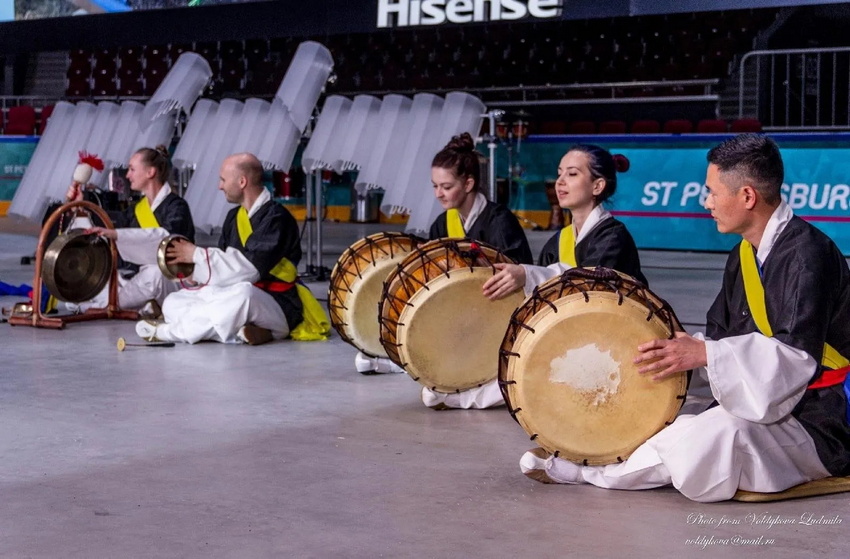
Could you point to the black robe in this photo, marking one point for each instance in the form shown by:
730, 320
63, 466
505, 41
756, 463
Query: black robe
275, 236
608, 244
496, 226
807, 296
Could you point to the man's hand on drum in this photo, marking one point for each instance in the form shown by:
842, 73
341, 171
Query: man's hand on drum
180, 251
670, 357
74, 193
103, 232
508, 279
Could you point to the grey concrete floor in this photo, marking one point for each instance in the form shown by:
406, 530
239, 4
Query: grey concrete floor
283, 450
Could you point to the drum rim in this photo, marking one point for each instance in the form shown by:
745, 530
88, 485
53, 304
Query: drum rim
338, 289
163, 265
669, 321
388, 325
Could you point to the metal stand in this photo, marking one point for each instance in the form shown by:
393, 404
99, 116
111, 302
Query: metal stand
491, 147
313, 226
37, 319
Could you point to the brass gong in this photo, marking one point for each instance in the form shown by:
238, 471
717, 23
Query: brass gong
77, 266
173, 271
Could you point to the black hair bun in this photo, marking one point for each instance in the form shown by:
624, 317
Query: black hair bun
621, 163
461, 143
162, 150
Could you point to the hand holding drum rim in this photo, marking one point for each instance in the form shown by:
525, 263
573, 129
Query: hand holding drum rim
671, 357
508, 279
180, 251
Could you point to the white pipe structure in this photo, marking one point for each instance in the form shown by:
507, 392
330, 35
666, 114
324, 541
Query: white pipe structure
280, 139
122, 145
180, 88
103, 129
304, 82
381, 167
30, 200
414, 165
193, 143
326, 140
461, 113
203, 187
360, 133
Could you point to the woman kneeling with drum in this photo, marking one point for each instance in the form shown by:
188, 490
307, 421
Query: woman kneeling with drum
587, 177
455, 174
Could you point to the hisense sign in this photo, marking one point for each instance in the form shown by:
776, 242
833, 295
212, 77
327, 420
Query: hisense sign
409, 13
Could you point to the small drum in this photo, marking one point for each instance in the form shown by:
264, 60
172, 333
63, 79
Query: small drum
566, 367
173, 271
356, 284
435, 322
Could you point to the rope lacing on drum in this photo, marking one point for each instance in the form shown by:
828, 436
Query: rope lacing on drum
515, 321
507, 353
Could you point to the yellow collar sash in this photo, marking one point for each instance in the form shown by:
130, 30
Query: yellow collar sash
144, 214
567, 246
755, 299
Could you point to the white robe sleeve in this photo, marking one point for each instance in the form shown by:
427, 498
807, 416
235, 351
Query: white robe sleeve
139, 245
222, 268
757, 378
535, 275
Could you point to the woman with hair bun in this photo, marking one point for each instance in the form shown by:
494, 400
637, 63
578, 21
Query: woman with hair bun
587, 177
455, 174
139, 229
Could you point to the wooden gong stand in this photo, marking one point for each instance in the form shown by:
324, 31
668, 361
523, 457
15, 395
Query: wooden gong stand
38, 319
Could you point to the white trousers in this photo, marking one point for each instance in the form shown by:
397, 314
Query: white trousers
218, 313
708, 457
133, 293
485, 396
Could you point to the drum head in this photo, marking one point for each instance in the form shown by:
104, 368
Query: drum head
573, 385
449, 333
76, 266
356, 285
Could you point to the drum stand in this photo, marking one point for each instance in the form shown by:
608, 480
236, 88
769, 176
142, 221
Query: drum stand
37, 319
313, 191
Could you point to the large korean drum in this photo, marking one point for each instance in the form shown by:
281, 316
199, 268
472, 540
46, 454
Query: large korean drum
356, 285
435, 322
566, 366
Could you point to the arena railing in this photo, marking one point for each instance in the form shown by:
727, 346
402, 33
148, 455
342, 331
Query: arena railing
796, 89
582, 93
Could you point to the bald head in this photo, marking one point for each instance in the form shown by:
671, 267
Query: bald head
241, 177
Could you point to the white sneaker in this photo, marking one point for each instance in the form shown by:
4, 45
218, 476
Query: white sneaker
146, 330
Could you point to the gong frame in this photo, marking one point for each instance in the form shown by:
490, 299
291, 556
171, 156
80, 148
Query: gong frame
38, 319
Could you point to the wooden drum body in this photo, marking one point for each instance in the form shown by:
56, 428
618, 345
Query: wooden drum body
356, 285
435, 321
566, 367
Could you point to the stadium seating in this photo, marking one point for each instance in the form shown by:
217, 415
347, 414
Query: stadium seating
20, 121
